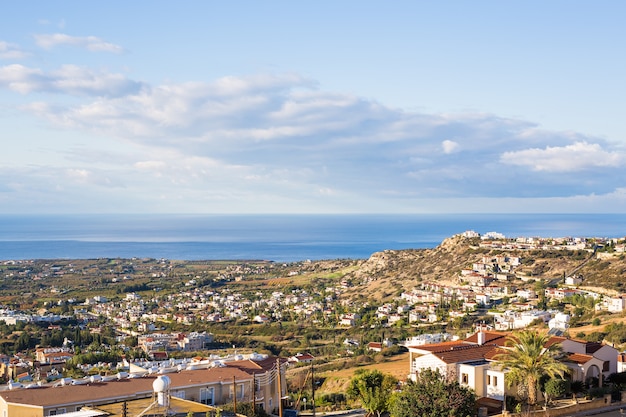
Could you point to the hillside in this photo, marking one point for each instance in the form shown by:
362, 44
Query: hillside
386, 274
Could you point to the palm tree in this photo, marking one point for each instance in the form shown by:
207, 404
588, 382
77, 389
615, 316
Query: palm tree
527, 358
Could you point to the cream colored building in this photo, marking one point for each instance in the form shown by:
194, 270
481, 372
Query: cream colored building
242, 381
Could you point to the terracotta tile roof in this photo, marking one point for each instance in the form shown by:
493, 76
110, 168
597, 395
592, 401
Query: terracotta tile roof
251, 366
304, 356
498, 338
435, 347
491, 355
554, 340
467, 353
102, 392
578, 358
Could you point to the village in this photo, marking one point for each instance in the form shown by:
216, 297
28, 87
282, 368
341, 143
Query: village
158, 332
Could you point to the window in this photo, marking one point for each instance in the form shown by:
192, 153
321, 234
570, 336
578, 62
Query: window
488, 379
179, 394
207, 396
495, 381
464, 378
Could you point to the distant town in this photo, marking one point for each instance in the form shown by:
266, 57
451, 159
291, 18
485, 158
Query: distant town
231, 331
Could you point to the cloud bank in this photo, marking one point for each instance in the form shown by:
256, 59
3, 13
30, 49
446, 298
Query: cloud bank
278, 140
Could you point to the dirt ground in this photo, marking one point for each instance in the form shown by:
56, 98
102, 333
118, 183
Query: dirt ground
338, 381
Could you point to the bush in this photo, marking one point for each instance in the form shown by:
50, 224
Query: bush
597, 392
246, 409
556, 388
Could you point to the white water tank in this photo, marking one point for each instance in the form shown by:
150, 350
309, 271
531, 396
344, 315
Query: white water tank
161, 387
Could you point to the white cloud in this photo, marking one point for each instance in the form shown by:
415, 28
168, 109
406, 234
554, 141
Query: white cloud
574, 157
69, 79
11, 51
91, 43
449, 146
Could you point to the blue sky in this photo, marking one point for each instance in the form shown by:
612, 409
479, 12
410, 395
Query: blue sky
312, 107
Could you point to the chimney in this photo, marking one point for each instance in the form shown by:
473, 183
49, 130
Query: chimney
481, 336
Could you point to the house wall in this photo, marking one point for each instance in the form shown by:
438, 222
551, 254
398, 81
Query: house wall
494, 384
573, 346
18, 410
266, 395
608, 353
428, 362
473, 377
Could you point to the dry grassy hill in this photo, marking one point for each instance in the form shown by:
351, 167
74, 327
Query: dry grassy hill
386, 274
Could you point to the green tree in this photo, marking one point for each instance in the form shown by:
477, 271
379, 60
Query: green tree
23, 342
431, 395
373, 389
527, 358
555, 388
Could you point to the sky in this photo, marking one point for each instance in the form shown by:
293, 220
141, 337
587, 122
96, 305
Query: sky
312, 107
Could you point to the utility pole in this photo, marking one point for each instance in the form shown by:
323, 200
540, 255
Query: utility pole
234, 395
312, 389
253, 394
280, 389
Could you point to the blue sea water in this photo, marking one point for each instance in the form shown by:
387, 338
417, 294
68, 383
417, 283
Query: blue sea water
282, 238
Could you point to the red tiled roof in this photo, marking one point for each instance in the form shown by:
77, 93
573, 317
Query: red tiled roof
251, 366
498, 338
491, 355
554, 340
304, 356
467, 353
434, 347
579, 358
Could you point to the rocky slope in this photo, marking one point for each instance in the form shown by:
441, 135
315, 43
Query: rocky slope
386, 274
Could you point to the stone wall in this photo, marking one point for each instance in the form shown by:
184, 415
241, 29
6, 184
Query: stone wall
584, 405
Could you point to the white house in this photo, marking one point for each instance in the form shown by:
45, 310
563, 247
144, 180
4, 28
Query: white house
470, 361
616, 304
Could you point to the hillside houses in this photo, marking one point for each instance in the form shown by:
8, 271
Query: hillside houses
49, 355
187, 342
471, 361
512, 320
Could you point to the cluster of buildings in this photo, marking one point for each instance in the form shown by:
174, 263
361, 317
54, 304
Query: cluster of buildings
253, 379
164, 342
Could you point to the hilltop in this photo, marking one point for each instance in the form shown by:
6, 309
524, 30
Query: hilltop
386, 274
381, 277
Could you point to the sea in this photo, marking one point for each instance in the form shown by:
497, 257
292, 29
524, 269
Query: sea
279, 238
